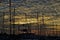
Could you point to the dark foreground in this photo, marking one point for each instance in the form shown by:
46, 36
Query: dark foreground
27, 37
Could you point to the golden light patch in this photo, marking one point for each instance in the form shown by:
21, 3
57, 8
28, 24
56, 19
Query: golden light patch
6, 16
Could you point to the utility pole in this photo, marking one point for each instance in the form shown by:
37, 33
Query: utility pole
43, 18
10, 14
37, 22
2, 29
14, 22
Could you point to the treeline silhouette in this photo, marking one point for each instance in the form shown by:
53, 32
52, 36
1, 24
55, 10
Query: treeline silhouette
27, 36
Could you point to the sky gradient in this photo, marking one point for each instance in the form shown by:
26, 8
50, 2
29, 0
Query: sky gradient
30, 12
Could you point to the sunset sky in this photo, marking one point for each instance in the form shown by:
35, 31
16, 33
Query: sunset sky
26, 12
